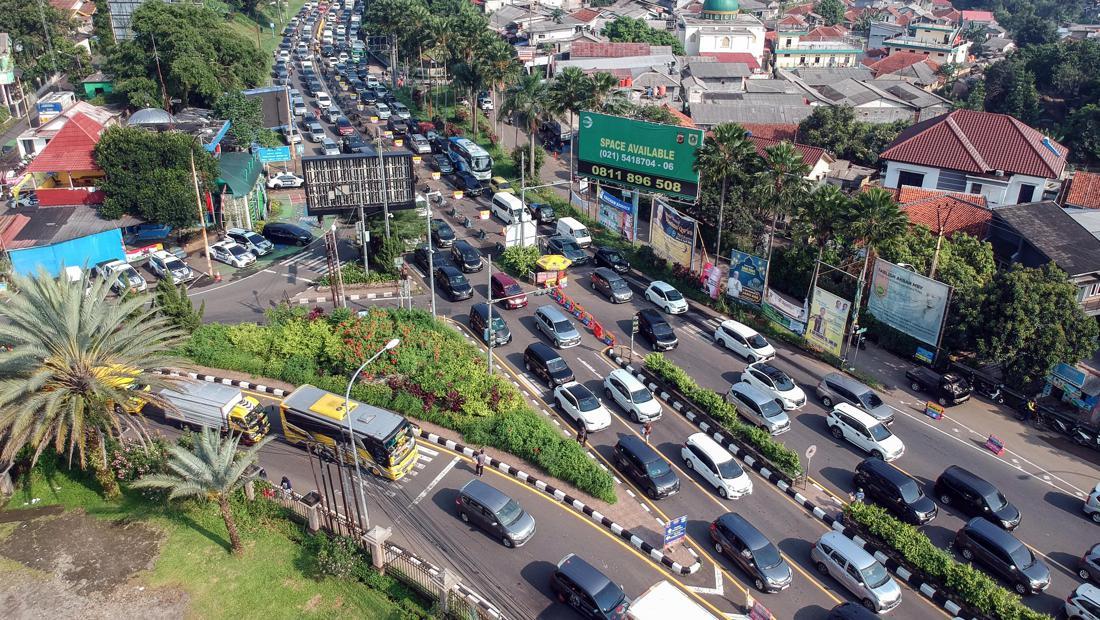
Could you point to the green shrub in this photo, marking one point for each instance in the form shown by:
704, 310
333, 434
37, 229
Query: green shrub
354, 273
335, 556
519, 260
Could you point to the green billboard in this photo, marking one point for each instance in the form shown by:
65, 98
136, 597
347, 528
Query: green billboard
639, 155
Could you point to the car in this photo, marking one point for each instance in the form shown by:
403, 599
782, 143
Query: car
715, 465
612, 259
850, 610
485, 102
840, 388
355, 144
442, 164
291, 135
758, 407
26, 199
1091, 507
231, 253
857, 570
438, 258
487, 507
744, 341
344, 126
500, 184
479, 324
974, 496
656, 330
368, 97
611, 285
251, 241
546, 364
579, 403
628, 392
287, 234
440, 143
1088, 567
862, 430
419, 144
646, 467
503, 287
468, 183
1083, 603
122, 276
329, 146
666, 297
567, 248
315, 132
442, 233
776, 383
467, 256
554, 325
381, 110
580, 585
737, 539
300, 109
401, 111
168, 266
1003, 555
541, 212
947, 389
894, 490
453, 283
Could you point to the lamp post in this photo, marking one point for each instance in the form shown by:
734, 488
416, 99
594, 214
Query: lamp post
351, 433
431, 255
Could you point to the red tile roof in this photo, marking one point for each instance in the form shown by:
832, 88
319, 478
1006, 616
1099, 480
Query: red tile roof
852, 15
593, 49
775, 131
978, 16
946, 12
826, 33
585, 15
802, 9
896, 62
955, 212
734, 57
685, 120
810, 154
792, 20
72, 149
979, 142
1084, 191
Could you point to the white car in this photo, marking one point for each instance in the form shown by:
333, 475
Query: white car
168, 266
284, 179
1084, 603
629, 393
776, 383
744, 341
122, 275
580, 404
231, 253
716, 465
382, 111
666, 297
419, 144
251, 241
1092, 504
860, 429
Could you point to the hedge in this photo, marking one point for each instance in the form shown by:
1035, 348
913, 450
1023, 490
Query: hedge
434, 375
970, 585
783, 458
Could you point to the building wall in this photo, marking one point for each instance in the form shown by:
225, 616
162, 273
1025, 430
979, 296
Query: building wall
83, 252
894, 170
997, 191
736, 41
815, 58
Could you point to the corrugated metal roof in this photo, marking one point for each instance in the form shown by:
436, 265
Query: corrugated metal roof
1056, 234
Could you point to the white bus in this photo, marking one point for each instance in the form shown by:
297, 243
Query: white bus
469, 156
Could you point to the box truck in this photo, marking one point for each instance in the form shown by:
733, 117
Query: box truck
217, 406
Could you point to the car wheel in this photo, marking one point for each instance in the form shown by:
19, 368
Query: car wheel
550, 383
821, 568
723, 493
945, 499
1095, 517
836, 432
967, 554
465, 517
828, 402
689, 464
877, 455
1083, 574
637, 418
759, 583
870, 606
1020, 588
652, 493
607, 393
915, 386
507, 542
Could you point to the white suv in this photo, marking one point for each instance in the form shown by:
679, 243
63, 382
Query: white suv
621, 387
715, 465
169, 267
1084, 603
744, 341
1092, 504
865, 432
231, 253
666, 297
580, 404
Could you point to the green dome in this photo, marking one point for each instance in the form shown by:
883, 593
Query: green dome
720, 9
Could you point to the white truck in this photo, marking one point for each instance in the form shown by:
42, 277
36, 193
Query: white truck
663, 601
214, 405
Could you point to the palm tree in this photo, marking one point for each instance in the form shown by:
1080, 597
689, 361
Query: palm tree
605, 95
570, 92
212, 470
471, 76
781, 185
725, 154
820, 217
71, 359
529, 100
501, 67
874, 218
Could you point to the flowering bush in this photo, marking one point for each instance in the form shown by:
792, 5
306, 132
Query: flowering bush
130, 460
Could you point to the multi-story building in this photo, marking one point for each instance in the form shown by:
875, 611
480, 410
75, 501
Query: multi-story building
940, 43
829, 46
721, 28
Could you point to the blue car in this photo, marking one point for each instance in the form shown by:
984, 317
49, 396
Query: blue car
468, 183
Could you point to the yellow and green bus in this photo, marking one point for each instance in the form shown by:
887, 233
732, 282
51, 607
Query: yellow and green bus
385, 440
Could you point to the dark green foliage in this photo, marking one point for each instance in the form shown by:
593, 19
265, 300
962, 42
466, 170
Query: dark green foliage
630, 30
836, 130
174, 304
522, 153
831, 10
246, 119
27, 24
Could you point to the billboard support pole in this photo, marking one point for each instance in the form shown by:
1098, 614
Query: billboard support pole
856, 304
634, 218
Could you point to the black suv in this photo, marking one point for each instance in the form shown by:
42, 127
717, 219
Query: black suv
442, 233
1003, 555
466, 256
288, 234
738, 540
974, 496
567, 248
439, 258
541, 212
479, 324
890, 488
646, 467
610, 257
584, 588
355, 144
545, 363
451, 280
656, 330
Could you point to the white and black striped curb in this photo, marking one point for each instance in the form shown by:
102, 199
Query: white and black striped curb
322, 300
461, 589
786, 485
569, 500
244, 385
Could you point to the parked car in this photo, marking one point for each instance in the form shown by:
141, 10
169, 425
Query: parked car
744, 545
503, 286
646, 467
122, 276
862, 430
466, 256
715, 465
567, 248
974, 496
634, 398
488, 508
1088, 567
840, 388
546, 364
287, 234
775, 382
284, 179
889, 487
584, 588
1091, 505
612, 259
758, 407
1003, 555
946, 389
579, 403
442, 164
479, 324
251, 241
666, 297
231, 253
856, 570
169, 267
500, 184
656, 330
468, 183
541, 213
442, 233
453, 283
1083, 603
744, 341
554, 325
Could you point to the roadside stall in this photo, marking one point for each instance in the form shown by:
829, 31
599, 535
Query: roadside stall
550, 271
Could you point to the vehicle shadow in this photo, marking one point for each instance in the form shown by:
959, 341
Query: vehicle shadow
538, 574
840, 478
813, 612
1065, 502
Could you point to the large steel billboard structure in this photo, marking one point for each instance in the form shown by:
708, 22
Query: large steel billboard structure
342, 183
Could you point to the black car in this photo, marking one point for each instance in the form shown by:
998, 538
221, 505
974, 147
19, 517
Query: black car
466, 182
656, 330
466, 256
1002, 554
541, 213
646, 467
367, 96
851, 611
396, 125
442, 164
438, 259
889, 487
744, 545
450, 280
442, 233
479, 324
438, 141
355, 144
974, 496
541, 360
567, 248
584, 588
610, 257
287, 234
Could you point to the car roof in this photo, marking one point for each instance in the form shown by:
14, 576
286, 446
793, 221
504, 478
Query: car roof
624, 375
1088, 591
542, 350
551, 312
979, 484
767, 369
485, 494
610, 274
639, 448
757, 394
848, 548
738, 327
449, 270
857, 414
652, 315
994, 534
707, 444
504, 278
845, 381
163, 255
586, 576
577, 389
885, 470
744, 530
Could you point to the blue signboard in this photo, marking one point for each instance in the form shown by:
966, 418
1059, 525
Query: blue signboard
269, 155
746, 280
675, 530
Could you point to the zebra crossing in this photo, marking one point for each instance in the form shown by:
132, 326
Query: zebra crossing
312, 261
424, 459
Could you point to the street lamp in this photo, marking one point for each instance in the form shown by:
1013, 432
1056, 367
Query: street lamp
351, 433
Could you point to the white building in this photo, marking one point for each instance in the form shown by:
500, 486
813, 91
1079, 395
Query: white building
721, 28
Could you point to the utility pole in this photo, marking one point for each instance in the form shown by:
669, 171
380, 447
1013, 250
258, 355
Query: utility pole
385, 190
431, 260
202, 222
489, 330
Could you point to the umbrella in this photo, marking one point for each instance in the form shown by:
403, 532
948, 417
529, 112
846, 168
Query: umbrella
553, 262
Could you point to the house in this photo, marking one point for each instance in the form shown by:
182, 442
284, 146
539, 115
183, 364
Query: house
35, 139
65, 172
941, 43
909, 66
819, 160
721, 27
994, 155
982, 18
881, 31
945, 212
1036, 233
80, 12
1082, 191
882, 101
997, 47
97, 84
52, 238
704, 78
550, 31
770, 115
823, 46
848, 176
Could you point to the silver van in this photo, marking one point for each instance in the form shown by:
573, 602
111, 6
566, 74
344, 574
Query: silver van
555, 326
856, 570
758, 407
836, 388
496, 513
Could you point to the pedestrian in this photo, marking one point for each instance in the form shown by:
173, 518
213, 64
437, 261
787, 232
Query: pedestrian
582, 435
1029, 411
858, 497
480, 459
647, 430
285, 485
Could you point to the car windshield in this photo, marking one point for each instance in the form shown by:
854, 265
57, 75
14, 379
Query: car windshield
563, 326
672, 294
729, 470
237, 250
879, 432
641, 395
498, 324
782, 381
757, 341
910, 492
586, 401
510, 513
1021, 557
609, 597
874, 575
569, 247
620, 285
657, 468
766, 556
995, 500
662, 329
457, 280
871, 400
173, 264
513, 289
556, 365
770, 409
613, 257
254, 239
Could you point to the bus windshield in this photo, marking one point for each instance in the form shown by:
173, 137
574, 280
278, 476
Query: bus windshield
399, 443
472, 156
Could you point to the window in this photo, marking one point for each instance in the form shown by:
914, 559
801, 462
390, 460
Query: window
802, 60
915, 179
975, 188
1026, 192
724, 43
788, 42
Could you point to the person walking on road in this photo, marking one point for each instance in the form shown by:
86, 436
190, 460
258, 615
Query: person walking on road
285, 485
1029, 411
479, 462
582, 435
647, 430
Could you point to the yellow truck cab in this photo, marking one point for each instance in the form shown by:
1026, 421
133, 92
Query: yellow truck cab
218, 406
119, 376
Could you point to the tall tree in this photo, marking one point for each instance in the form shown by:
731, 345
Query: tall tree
41, 33
570, 92
781, 186
246, 119
822, 215
631, 30
836, 129
502, 67
529, 100
1010, 89
832, 11
70, 355
874, 219
726, 155
1034, 30
173, 303
213, 470
606, 95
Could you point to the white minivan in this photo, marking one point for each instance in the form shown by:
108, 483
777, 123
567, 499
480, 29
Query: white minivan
509, 208
571, 228
715, 465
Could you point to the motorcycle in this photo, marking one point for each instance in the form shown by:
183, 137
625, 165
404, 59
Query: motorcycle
989, 391
1055, 422
1086, 436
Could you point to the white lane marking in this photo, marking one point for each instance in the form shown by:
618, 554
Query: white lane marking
588, 366
269, 271
426, 450
431, 485
530, 386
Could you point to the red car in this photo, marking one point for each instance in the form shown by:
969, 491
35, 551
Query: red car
344, 127
506, 288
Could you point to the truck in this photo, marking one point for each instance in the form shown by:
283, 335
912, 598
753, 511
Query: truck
663, 601
946, 389
214, 405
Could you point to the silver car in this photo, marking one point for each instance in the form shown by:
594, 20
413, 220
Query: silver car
486, 507
856, 570
836, 388
552, 323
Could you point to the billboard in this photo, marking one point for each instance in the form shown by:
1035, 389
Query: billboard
340, 183
746, 281
7, 64
790, 315
269, 155
639, 155
615, 213
827, 321
671, 234
908, 302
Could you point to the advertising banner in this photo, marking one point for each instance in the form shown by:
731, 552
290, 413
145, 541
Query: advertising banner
671, 234
273, 154
7, 64
746, 281
828, 318
615, 213
783, 312
907, 301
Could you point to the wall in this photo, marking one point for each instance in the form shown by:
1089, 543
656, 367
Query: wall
931, 175
82, 252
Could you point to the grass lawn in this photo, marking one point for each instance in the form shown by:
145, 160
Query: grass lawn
245, 25
273, 578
